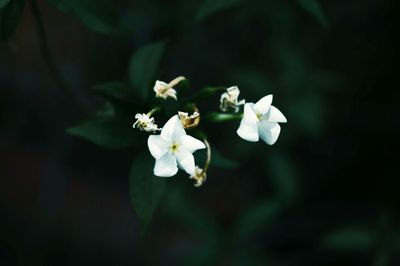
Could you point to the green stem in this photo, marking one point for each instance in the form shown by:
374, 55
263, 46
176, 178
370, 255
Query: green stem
208, 161
222, 117
152, 111
47, 56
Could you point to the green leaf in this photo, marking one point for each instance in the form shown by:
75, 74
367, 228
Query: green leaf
10, 16
309, 114
108, 132
197, 221
207, 92
218, 160
99, 16
143, 67
349, 239
146, 190
257, 217
315, 10
284, 177
115, 90
3, 3
222, 117
210, 7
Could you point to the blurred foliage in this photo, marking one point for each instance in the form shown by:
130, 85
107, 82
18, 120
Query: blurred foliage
145, 189
143, 68
100, 15
10, 15
324, 194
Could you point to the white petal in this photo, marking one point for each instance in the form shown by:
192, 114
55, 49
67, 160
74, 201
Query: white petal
275, 115
234, 91
157, 145
269, 131
165, 166
159, 85
191, 144
263, 105
248, 126
186, 161
173, 129
171, 93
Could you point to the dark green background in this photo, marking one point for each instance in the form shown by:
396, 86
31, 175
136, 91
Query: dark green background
327, 193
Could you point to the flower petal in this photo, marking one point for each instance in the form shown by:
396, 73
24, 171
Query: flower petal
191, 144
275, 115
269, 131
171, 93
159, 85
173, 129
233, 91
248, 126
157, 146
186, 161
165, 166
263, 105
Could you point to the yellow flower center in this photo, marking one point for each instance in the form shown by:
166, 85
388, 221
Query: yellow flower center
174, 148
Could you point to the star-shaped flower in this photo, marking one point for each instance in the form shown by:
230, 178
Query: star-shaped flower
162, 90
165, 90
260, 120
145, 122
173, 148
229, 99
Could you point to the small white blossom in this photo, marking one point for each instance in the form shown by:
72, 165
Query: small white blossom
229, 99
260, 120
162, 90
173, 148
145, 122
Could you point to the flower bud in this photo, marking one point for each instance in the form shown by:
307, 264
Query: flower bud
189, 121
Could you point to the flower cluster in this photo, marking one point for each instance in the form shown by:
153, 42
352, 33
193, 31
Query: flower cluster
173, 148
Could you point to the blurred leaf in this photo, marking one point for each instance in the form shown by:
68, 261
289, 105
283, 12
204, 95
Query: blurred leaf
212, 6
198, 222
222, 117
100, 15
62, 5
116, 90
257, 217
107, 131
10, 16
3, 3
143, 67
315, 10
349, 239
218, 160
309, 114
285, 179
207, 92
107, 110
146, 190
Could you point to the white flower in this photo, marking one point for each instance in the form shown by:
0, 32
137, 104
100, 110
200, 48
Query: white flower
229, 99
145, 122
164, 90
260, 120
173, 148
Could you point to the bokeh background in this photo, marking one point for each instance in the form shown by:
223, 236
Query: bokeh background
327, 193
